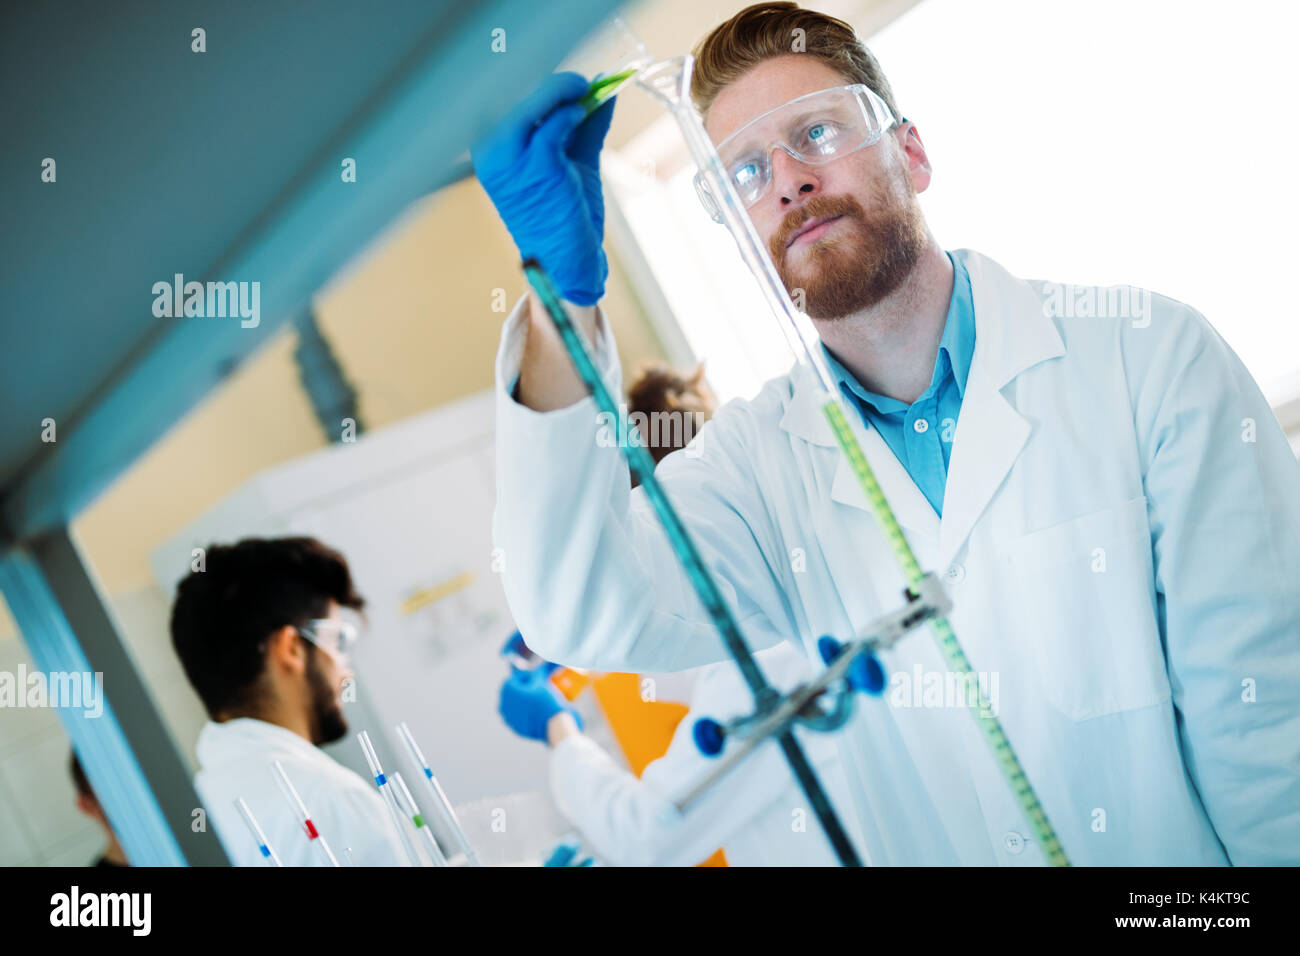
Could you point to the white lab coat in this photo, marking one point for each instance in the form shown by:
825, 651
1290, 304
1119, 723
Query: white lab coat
1120, 538
757, 812
235, 760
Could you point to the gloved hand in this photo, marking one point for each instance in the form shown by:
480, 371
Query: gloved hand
529, 700
541, 169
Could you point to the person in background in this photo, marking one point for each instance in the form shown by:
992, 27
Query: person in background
88, 804
757, 813
263, 634
678, 404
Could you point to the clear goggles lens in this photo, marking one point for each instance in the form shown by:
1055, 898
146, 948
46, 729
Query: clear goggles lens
814, 129
336, 635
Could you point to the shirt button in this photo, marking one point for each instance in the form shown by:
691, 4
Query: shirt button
956, 573
921, 426
1013, 841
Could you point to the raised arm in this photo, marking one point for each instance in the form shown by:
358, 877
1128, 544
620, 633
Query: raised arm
590, 575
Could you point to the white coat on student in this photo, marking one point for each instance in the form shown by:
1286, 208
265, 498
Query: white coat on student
235, 759
756, 813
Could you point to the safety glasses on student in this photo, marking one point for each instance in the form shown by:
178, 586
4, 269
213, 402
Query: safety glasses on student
815, 129
333, 635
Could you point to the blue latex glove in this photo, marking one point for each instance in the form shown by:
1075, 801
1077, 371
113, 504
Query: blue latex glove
541, 169
565, 854
529, 700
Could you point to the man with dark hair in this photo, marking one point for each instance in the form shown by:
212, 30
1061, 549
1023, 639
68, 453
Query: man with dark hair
263, 633
88, 803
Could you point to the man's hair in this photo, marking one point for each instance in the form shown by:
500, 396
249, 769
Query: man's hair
79, 779
246, 592
660, 389
764, 30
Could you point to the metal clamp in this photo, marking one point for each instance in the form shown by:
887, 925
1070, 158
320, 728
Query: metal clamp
852, 667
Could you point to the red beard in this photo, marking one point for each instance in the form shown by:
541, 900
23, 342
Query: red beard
860, 262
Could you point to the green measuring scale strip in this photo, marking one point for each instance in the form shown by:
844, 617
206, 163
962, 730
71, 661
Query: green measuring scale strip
947, 640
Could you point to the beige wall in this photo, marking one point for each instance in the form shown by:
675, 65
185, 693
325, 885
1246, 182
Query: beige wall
412, 324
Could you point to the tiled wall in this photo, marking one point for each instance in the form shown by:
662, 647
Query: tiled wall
39, 821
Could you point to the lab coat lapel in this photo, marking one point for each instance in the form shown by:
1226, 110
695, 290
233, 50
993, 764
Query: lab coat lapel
805, 418
1012, 333
912, 509
990, 435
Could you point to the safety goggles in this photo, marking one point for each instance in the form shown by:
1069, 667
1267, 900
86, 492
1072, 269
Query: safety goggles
333, 635
816, 129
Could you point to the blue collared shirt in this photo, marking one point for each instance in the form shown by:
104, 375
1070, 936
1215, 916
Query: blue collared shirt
920, 435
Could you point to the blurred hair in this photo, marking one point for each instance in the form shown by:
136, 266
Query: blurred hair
660, 389
79, 779
247, 591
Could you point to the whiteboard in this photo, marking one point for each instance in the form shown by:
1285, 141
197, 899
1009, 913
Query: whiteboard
410, 507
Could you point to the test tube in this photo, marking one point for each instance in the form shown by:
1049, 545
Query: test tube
669, 81
407, 802
439, 797
386, 790
290, 794
258, 836
615, 54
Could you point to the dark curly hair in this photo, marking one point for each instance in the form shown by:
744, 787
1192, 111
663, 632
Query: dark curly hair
246, 592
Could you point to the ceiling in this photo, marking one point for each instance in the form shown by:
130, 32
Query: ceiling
222, 165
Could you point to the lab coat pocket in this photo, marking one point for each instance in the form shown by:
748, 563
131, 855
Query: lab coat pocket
1089, 618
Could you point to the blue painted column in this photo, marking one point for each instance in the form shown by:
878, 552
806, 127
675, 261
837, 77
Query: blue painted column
129, 757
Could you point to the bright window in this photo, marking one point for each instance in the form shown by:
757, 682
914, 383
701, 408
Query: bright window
1150, 143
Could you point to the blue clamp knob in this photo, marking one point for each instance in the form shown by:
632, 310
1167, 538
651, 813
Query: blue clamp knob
866, 673
829, 648
709, 736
